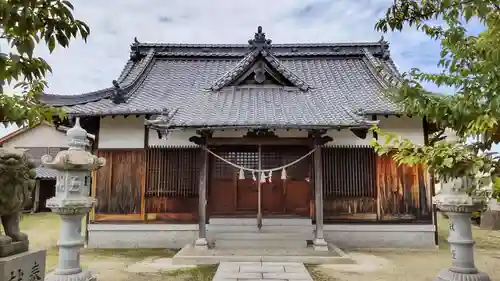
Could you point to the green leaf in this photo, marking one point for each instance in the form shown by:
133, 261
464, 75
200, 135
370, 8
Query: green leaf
448, 162
52, 43
24, 25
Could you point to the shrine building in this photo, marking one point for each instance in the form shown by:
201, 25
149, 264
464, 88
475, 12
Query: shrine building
207, 143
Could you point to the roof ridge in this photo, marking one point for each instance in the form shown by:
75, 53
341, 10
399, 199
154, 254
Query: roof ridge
279, 45
139, 79
388, 77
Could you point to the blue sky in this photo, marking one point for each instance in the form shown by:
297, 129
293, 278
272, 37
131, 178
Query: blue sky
115, 23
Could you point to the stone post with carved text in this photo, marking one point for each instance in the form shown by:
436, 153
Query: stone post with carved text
72, 202
459, 207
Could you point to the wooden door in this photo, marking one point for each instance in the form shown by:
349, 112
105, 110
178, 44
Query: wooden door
291, 196
227, 194
246, 189
298, 185
221, 184
273, 200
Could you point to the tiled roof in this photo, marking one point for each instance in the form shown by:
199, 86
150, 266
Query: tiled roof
45, 173
332, 85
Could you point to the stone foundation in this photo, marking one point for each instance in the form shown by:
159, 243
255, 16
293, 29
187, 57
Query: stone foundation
381, 235
176, 236
148, 236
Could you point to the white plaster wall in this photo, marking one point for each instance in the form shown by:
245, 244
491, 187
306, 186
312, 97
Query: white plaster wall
346, 137
121, 132
174, 139
128, 132
42, 135
409, 128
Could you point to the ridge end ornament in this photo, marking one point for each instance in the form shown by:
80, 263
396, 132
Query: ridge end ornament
260, 40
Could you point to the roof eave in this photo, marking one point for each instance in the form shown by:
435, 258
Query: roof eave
269, 126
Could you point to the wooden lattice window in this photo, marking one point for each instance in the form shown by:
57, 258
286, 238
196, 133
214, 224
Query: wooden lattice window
173, 172
275, 156
349, 171
247, 157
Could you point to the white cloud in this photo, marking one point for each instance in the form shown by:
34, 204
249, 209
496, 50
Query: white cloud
114, 24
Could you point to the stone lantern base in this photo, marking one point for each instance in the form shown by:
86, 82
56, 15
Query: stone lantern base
449, 275
85, 275
459, 206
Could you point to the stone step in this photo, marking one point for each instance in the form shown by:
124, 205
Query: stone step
259, 236
265, 221
260, 244
265, 229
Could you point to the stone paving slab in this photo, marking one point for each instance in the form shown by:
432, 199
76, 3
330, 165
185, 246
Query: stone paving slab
261, 271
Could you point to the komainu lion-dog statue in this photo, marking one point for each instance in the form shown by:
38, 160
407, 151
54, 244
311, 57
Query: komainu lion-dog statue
17, 181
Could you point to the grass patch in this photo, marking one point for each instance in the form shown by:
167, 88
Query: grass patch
199, 273
485, 239
133, 254
318, 275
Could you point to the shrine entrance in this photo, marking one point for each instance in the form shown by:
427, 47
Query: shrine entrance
246, 194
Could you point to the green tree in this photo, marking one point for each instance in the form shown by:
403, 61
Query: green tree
470, 66
25, 24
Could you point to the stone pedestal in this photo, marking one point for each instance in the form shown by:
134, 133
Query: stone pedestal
27, 266
201, 243
14, 248
459, 207
319, 244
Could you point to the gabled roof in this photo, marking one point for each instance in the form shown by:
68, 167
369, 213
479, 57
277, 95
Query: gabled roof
45, 173
260, 50
308, 85
21, 131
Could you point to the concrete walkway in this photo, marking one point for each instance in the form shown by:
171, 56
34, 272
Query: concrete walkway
272, 271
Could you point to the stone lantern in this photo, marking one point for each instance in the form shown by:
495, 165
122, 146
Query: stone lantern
459, 206
72, 201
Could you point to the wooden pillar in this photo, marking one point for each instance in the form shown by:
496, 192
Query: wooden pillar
319, 241
259, 190
36, 201
202, 242
319, 140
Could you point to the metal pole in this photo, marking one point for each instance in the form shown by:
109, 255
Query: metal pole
259, 191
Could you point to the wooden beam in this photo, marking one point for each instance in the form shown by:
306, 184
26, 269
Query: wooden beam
118, 217
375, 135
171, 217
202, 203
145, 171
143, 189
36, 202
425, 127
377, 186
319, 241
110, 173
432, 187
119, 149
93, 190
257, 141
